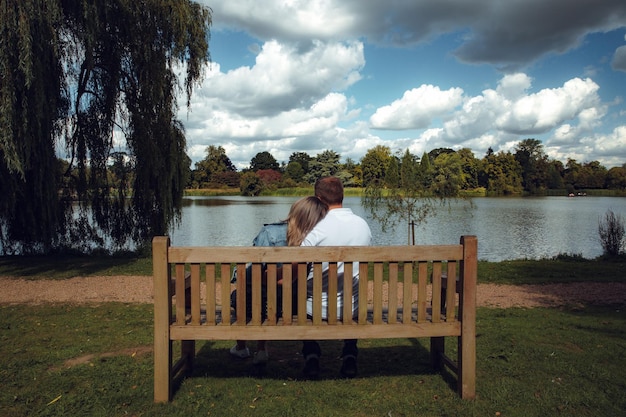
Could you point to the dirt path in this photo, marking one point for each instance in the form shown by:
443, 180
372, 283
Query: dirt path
138, 289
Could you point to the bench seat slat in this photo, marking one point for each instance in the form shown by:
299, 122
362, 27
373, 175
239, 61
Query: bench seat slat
316, 332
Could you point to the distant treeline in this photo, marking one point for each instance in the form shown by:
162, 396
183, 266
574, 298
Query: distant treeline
528, 170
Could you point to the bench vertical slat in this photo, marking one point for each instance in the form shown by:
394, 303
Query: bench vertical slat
256, 294
363, 283
450, 303
332, 293
378, 293
210, 294
271, 293
407, 290
287, 283
302, 292
180, 294
162, 318
195, 294
392, 315
317, 293
467, 313
348, 274
436, 300
422, 283
241, 294
225, 289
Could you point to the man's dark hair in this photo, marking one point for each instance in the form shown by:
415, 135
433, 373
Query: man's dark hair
329, 190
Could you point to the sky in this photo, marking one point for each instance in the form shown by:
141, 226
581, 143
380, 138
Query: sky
347, 75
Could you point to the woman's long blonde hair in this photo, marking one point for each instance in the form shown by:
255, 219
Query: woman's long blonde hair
303, 216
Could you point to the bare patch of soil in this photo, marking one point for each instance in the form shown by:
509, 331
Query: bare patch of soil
139, 289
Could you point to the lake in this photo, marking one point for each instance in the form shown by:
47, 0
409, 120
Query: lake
507, 228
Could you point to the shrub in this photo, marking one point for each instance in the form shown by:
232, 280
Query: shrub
611, 231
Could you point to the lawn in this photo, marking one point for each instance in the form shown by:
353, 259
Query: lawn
97, 360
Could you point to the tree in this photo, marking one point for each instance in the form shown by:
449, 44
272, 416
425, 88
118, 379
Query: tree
471, 167
294, 171
374, 164
438, 151
80, 71
353, 176
209, 169
269, 177
571, 174
424, 171
616, 178
409, 170
303, 159
411, 201
594, 175
392, 176
554, 178
448, 176
251, 184
534, 163
503, 174
325, 164
263, 160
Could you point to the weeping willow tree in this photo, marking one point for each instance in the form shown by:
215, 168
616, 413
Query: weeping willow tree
80, 81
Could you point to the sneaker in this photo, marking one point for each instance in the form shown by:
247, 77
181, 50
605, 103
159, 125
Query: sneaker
260, 358
348, 366
311, 366
240, 353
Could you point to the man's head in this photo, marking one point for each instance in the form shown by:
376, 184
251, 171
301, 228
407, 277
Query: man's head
329, 190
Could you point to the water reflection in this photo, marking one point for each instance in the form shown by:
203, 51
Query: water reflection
507, 228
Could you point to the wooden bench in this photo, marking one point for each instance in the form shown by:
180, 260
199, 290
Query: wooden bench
393, 313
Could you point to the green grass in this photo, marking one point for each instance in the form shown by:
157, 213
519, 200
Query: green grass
211, 192
531, 362
561, 270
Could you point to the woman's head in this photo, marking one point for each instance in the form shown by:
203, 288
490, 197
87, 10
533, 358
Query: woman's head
303, 216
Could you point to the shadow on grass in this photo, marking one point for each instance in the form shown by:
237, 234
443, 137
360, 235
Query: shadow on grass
397, 357
68, 266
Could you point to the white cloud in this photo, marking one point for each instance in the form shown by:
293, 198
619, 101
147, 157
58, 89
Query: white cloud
284, 78
613, 143
619, 59
513, 86
545, 110
498, 116
417, 108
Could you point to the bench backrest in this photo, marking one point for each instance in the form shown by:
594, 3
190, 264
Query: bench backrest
408, 284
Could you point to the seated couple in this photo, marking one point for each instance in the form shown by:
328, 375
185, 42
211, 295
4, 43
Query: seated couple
316, 221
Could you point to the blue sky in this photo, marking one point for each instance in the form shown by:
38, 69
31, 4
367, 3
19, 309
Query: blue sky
347, 75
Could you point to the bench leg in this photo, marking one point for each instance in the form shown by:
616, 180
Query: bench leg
188, 352
162, 370
467, 367
437, 349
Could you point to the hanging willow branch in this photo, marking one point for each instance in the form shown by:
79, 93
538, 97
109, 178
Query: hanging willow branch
94, 78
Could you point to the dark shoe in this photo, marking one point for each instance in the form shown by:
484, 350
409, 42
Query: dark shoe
348, 367
311, 366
